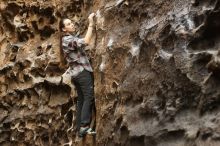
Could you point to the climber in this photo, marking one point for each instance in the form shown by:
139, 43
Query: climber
80, 71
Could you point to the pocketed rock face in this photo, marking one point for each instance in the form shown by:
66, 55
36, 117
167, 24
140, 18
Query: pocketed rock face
156, 66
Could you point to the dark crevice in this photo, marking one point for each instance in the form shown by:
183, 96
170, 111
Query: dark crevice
46, 32
213, 27
136, 141
124, 134
210, 34
171, 135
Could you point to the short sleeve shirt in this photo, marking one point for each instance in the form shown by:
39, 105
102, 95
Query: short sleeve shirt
73, 48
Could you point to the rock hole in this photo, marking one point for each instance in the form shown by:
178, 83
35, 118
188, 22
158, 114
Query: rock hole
213, 27
137, 141
46, 32
66, 107
14, 8
172, 135
198, 20
118, 122
7, 125
201, 60
210, 35
217, 6
45, 139
41, 20
46, 12
124, 134
34, 25
205, 136
149, 141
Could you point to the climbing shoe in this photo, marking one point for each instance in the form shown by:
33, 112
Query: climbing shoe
86, 130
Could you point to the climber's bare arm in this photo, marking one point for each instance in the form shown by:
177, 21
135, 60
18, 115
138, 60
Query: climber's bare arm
88, 35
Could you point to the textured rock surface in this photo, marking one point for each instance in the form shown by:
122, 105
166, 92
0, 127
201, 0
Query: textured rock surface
156, 63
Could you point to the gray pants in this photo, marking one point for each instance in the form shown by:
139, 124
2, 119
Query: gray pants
84, 83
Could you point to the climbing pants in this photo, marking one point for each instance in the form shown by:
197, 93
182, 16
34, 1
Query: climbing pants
84, 83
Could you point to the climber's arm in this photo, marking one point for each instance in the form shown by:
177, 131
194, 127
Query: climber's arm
88, 35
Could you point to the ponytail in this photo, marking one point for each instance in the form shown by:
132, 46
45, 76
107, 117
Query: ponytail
63, 61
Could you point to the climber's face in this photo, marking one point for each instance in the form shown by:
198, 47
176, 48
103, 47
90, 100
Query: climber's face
68, 25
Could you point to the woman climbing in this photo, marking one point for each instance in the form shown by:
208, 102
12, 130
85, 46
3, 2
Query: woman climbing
80, 71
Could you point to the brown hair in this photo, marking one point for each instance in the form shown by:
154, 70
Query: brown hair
63, 61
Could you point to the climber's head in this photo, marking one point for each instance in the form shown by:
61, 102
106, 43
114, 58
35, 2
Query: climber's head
66, 25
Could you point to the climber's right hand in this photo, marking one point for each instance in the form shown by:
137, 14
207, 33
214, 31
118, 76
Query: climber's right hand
91, 17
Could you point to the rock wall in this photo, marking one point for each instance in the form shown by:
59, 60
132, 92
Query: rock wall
156, 66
